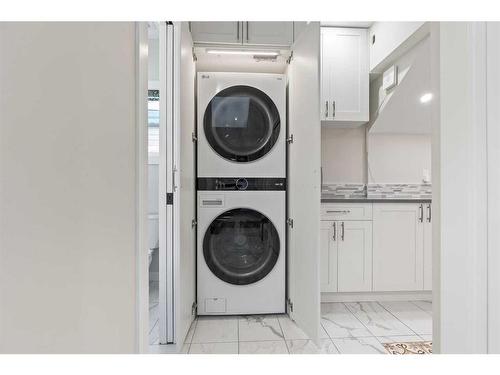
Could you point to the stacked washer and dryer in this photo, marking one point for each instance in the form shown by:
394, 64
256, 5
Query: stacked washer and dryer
241, 193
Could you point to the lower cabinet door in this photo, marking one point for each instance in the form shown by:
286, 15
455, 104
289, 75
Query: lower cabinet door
354, 256
328, 256
428, 248
398, 244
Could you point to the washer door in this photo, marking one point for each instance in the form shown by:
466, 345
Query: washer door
241, 123
241, 246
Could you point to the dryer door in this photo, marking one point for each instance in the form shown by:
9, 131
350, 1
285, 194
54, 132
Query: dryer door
241, 123
241, 246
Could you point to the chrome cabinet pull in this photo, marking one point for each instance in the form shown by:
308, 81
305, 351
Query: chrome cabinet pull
342, 231
429, 213
248, 37
421, 218
238, 31
333, 107
334, 231
326, 111
338, 211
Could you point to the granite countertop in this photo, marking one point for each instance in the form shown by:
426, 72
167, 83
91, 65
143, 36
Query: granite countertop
376, 193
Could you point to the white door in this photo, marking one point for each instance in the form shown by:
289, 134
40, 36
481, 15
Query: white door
328, 256
347, 74
216, 32
166, 184
428, 247
184, 183
304, 182
268, 33
354, 256
398, 244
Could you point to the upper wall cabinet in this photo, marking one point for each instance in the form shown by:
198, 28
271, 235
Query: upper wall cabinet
268, 33
344, 77
243, 33
216, 32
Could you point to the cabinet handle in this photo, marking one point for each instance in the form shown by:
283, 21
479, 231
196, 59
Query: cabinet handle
334, 231
429, 213
326, 110
248, 38
342, 231
338, 211
333, 107
421, 218
238, 31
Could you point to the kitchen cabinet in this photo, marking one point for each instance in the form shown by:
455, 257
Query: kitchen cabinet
268, 33
428, 247
354, 256
344, 77
346, 256
398, 246
217, 32
243, 33
328, 256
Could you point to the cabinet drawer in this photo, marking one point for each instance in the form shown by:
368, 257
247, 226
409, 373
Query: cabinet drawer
346, 211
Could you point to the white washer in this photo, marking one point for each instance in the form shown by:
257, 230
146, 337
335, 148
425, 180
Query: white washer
241, 125
241, 248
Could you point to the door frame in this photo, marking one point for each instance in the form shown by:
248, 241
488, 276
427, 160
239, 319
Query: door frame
141, 166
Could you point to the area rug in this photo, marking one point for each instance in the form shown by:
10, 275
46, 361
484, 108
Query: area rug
420, 347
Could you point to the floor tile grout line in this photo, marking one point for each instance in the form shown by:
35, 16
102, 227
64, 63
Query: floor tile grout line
403, 323
359, 320
430, 313
283, 334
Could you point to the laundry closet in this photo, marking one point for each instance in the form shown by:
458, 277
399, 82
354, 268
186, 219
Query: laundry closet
239, 172
276, 190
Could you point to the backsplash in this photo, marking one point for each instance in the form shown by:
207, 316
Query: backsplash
347, 191
399, 191
378, 191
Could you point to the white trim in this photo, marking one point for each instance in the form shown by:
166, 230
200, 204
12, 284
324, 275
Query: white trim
459, 194
142, 263
376, 296
493, 129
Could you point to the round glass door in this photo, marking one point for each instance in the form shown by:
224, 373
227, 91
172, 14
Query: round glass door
241, 123
241, 246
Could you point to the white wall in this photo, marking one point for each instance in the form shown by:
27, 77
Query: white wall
398, 158
343, 155
67, 188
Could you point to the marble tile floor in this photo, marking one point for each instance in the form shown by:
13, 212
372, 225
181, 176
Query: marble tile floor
346, 328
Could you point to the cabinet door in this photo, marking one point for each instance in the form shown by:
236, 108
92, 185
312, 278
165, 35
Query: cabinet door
346, 71
398, 245
216, 32
428, 247
268, 33
328, 256
354, 256
298, 27
327, 48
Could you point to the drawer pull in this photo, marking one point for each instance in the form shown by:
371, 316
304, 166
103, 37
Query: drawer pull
338, 211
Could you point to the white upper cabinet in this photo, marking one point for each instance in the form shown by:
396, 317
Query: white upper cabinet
344, 76
278, 34
268, 33
216, 32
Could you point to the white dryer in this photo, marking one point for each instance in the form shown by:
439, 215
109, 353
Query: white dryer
241, 125
241, 246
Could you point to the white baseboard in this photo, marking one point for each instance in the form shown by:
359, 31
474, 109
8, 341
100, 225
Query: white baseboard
154, 276
376, 296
